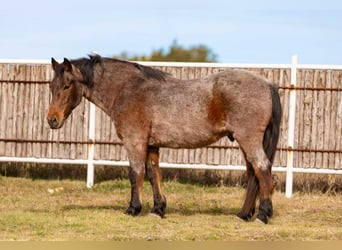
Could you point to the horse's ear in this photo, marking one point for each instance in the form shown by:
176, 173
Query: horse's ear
67, 65
54, 64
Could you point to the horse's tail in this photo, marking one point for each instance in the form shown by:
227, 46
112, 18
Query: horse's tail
271, 134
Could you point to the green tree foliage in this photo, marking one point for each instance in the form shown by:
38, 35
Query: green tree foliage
176, 53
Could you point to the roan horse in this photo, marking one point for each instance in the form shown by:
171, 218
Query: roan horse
151, 109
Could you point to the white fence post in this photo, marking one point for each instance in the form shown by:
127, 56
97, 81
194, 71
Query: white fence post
291, 128
91, 145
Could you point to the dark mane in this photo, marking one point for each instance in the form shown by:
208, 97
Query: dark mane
149, 72
86, 66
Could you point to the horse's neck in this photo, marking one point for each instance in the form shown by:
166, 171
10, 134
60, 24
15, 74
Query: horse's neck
108, 84
102, 94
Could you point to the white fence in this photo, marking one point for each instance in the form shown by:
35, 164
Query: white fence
290, 169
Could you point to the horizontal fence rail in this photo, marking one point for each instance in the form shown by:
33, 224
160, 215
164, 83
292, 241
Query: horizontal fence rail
311, 128
96, 142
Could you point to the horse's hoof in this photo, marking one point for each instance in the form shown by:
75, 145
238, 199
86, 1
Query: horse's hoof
159, 207
244, 217
133, 211
262, 219
159, 210
240, 219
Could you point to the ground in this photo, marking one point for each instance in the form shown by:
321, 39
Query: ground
46, 210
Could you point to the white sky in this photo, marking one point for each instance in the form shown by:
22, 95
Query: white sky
239, 31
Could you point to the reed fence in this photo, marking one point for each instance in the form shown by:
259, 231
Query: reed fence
310, 139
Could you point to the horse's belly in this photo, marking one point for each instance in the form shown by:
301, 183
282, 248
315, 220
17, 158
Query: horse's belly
182, 136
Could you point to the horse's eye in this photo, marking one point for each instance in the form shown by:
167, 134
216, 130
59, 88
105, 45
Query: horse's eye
66, 87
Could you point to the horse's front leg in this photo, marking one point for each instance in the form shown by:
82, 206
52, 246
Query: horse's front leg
154, 175
137, 159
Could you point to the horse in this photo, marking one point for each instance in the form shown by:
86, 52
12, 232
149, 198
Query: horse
151, 109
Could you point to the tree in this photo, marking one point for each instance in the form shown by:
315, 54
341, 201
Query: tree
176, 53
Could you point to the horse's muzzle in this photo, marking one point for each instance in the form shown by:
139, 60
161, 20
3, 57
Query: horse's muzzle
54, 123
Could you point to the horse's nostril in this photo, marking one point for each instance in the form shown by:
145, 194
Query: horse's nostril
53, 122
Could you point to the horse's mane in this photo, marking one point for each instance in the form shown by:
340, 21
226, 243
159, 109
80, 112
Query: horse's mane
86, 67
149, 72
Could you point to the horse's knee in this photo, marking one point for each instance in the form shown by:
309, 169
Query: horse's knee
136, 174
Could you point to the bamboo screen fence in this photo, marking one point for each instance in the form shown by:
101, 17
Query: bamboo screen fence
24, 132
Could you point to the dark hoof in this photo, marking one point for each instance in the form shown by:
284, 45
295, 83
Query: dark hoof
158, 211
133, 211
159, 208
262, 219
259, 221
246, 217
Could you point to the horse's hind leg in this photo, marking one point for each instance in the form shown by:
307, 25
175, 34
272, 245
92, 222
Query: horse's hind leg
154, 175
252, 147
252, 191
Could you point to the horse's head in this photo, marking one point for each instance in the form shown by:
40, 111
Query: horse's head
67, 91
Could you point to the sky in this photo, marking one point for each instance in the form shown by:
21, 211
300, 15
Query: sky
239, 31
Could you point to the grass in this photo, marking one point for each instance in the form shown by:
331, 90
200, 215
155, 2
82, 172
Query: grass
46, 210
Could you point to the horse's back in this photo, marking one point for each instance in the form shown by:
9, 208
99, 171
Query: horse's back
198, 112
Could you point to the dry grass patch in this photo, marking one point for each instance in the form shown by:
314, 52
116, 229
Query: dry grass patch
66, 210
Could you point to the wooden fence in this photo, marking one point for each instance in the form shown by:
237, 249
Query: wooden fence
24, 132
